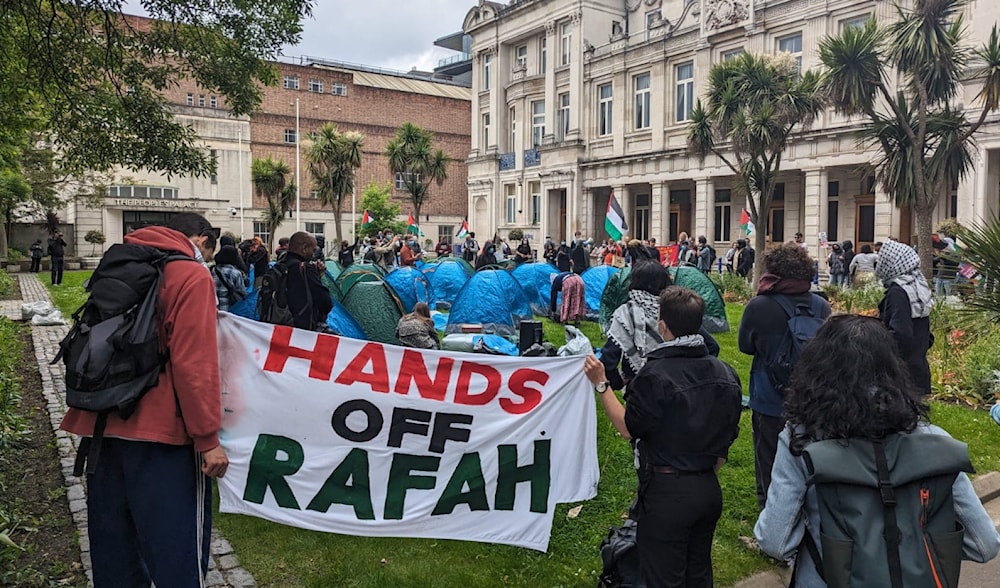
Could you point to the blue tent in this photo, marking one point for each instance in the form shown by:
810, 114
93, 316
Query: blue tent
411, 286
447, 278
536, 279
343, 323
246, 308
492, 299
595, 278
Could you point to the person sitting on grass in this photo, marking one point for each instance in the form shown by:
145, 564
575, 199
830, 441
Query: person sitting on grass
417, 329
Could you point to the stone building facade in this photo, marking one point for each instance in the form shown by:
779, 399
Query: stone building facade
572, 100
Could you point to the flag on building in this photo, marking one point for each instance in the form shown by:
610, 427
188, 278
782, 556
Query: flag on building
615, 223
464, 230
366, 219
745, 223
411, 225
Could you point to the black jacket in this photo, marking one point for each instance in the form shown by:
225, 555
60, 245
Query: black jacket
913, 335
611, 357
684, 406
303, 274
57, 247
578, 255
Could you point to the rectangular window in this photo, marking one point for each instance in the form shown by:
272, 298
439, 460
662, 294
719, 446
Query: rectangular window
446, 232
833, 188
513, 129
487, 70
777, 225
213, 101
402, 178
155, 192
562, 126
793, 46
732, 54
779, 192
213, 154
565, 43
832, 220
723, 221
291, 82
290, 136
604, 110
855, 22
542, 56
641, 83
140, 192
338, 89
536, 202
685, 91
521, 56
315, 228
486, 130
537, 122
260, 230
201, 100
190, 99
316, 86
511, 191
651, 19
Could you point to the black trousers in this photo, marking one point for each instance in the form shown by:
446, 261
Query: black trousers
765, 445
57, 269
677, 518
36, 264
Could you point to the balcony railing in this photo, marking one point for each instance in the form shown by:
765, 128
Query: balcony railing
508, 161
532, 158
458, 58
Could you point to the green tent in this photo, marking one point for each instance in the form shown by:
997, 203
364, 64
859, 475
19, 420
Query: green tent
715, 320
376, 308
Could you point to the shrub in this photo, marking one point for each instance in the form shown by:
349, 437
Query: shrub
12, 426
95, 238
732, 286
6, 284
863, 299
967, 369
515, 235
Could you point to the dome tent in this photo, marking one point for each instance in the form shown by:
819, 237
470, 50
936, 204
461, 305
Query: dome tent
715, 320
329, 278
595, 278
615, 294
359, 272
536, 279
493, 299
447, 277
411, 286
343, 323
376, 308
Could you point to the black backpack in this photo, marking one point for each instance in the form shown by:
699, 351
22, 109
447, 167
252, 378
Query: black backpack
711, 257
112, 353
803, 321
272, 300
620, 558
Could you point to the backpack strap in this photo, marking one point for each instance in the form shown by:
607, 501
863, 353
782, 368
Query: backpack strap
792, 310
891, 533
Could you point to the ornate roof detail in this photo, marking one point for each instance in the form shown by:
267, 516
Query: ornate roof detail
723, 13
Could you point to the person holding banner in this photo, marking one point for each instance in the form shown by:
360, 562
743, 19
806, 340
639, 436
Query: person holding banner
684, 410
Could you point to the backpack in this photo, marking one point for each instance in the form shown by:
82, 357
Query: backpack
711, 256
272, 299
620, 559
803, 322
900, 528
112, 353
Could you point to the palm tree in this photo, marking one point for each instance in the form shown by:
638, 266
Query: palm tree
333, 159
925, 142
754, 102
411, 155
270, 180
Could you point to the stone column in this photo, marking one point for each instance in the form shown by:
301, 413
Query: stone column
551, 100
815, 203
625, 199
657, 211
587, 216
575, 75
886, 216
704, 207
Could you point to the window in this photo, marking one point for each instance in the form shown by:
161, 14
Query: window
640, 228
487, 70
521, 57
604, 110
213, 101
486, 131
338, 89
723, 215
213, 155
777, 225
652, 18
446, 232
779, 192
832, 220
535, 188
190, 99
316, 86
314, 194
641, 83
833, 188
291, 82
537, 122
685, 91
511, 191
732, 54
402, 179
513, 129
793, 46
565, 42
562, 126
260, 229
315, 228
290, 136
855, 22
201, 100
542, 56
158, 192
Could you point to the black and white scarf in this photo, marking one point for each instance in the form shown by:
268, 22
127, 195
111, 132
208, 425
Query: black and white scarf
899, 264
634, 327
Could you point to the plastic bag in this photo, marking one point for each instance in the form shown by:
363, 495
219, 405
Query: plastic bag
493, 344
30, 309
45, 320
576, 343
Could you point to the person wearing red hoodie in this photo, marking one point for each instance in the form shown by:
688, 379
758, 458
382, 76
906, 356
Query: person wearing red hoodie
149, 501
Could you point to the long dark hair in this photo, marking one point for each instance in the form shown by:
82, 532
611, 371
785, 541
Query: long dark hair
850, 382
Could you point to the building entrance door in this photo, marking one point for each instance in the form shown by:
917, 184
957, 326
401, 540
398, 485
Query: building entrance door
864, 226
137, 219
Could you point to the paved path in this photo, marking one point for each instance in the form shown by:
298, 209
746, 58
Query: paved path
224, 566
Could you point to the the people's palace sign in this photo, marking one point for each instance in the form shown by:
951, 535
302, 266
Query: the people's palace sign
361, 438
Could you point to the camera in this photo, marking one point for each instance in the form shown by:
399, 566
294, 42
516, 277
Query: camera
233, 212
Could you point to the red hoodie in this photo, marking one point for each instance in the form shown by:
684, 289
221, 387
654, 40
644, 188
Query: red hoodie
190, 384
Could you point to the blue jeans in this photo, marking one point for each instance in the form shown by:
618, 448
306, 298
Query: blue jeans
57, 269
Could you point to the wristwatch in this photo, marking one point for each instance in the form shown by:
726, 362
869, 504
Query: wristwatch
601, 387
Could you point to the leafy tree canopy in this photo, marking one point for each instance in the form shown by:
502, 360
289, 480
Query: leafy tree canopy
377, 200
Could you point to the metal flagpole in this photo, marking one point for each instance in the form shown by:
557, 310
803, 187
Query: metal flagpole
298, 178
239, 139
354, 215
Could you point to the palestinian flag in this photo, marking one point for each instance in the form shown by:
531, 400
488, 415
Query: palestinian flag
615, 223
411, 224
462, 232
366, 219
745, 223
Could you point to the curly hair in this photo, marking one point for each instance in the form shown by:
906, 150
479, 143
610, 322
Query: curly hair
790, 261
872, 398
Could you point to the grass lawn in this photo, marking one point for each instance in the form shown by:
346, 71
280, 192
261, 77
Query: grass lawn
69, 295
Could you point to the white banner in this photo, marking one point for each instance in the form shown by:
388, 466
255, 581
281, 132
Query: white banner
361, 438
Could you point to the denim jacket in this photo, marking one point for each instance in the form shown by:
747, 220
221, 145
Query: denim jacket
792, 509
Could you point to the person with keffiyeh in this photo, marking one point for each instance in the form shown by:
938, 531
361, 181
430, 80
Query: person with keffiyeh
906, 308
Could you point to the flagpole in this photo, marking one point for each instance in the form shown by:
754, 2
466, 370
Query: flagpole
354, 215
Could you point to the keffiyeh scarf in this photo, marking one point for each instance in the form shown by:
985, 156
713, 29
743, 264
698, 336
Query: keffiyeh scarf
634, 327
899, 264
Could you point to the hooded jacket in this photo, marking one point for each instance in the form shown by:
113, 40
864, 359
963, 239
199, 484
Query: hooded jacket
185, 406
